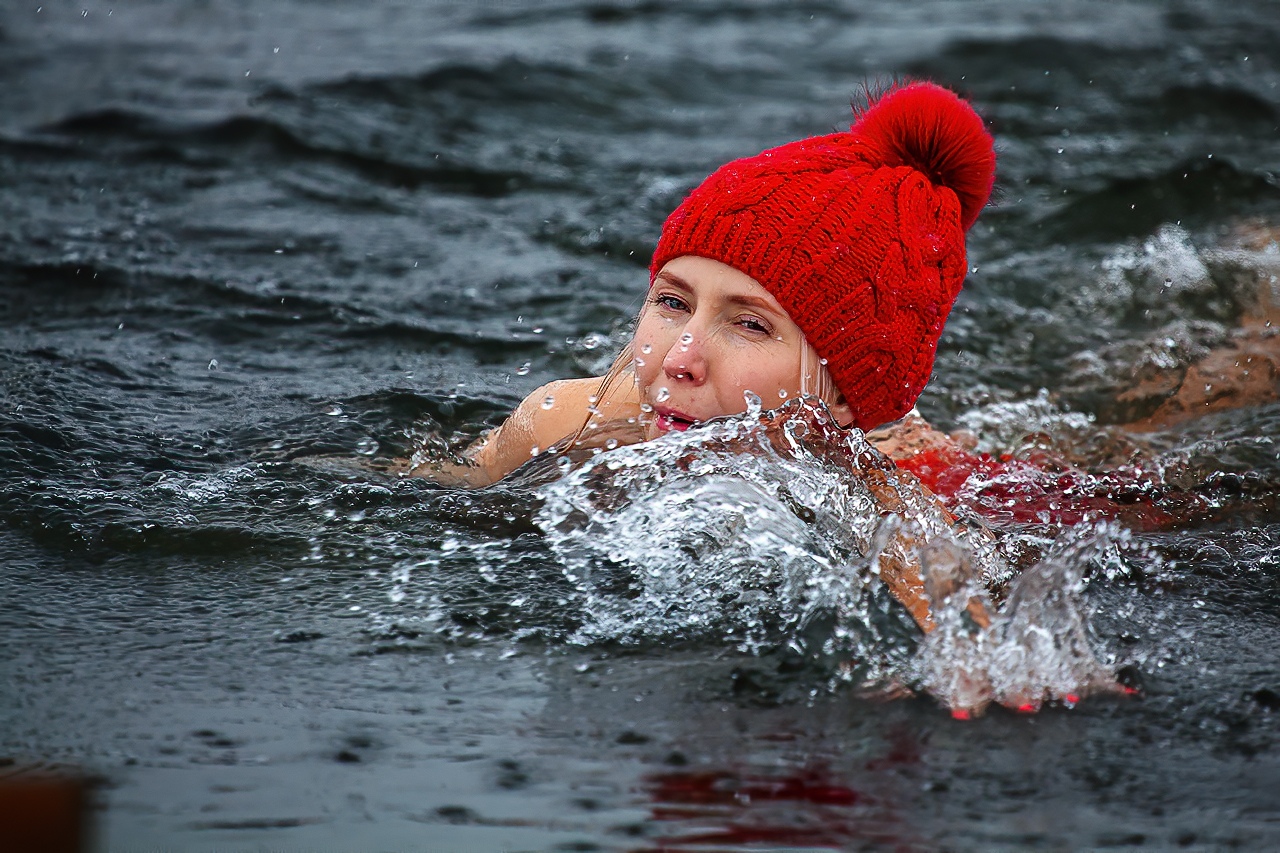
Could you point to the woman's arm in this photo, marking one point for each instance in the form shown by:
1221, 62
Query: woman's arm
899, 565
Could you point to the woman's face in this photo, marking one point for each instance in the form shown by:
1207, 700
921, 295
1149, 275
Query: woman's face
709, 333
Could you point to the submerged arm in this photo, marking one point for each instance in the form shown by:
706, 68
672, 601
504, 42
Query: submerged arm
900, 562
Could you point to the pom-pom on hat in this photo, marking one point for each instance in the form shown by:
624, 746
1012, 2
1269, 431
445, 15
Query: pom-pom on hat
859, 235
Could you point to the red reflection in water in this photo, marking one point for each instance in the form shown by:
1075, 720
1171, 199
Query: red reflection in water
717, 809
721, 807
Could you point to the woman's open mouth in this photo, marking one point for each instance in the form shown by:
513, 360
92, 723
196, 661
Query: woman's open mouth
670, 419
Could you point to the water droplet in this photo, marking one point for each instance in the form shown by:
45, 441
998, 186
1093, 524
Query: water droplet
638, 361
646, 408
563, 463
664, 394
686, 338
646, 348
822, 361
535, 450
548, 401
782, 394
611, 444
523, 370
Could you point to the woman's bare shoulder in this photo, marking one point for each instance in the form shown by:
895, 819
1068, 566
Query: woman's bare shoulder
911, 435
571, 398
553, 412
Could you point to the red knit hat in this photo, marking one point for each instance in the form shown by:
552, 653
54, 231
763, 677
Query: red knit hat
858, 235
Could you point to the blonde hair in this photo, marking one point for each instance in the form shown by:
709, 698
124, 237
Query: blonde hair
815, 378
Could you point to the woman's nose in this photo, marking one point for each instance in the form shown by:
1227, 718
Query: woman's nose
686, 361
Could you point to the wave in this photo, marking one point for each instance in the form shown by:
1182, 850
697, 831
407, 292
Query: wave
1222, 106
451, 94
1069, 72
147, 138
227, 312
1193, 192
647, 11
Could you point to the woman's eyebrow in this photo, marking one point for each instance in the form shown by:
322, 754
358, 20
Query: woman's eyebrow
739, 299
756, 302
746, 300
675, 280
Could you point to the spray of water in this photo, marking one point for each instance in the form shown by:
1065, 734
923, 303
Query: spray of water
772, 528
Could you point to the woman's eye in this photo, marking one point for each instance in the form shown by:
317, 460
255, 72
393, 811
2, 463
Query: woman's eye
673, 303
754, 325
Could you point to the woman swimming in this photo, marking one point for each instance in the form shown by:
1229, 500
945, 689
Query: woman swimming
824, 267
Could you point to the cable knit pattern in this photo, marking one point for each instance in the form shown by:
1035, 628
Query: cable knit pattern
859, 235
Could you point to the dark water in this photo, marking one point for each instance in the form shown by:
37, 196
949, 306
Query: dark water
248, 250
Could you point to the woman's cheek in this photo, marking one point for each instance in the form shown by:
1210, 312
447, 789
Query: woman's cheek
645, 357
645, 372
773, 387
653, 339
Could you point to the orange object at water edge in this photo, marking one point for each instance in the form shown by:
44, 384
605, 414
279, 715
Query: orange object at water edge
45, 810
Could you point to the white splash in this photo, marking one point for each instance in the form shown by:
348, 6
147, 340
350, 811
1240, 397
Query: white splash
1000, 427
769, 528
1033, 649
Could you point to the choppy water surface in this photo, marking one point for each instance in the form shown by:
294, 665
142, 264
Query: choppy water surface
251, 253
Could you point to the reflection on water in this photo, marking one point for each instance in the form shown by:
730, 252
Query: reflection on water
805, 809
